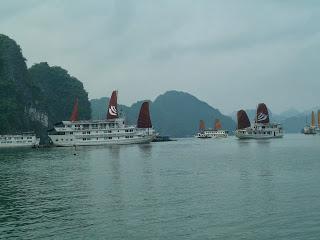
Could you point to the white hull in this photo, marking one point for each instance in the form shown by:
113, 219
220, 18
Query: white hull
260, 131
256, 136
121, 141
310, 130
24, 140
212, 134
103, 132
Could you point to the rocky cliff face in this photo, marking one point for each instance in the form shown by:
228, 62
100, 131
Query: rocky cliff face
34, 99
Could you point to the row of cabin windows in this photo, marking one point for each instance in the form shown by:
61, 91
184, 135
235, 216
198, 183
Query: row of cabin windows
88, 139
3, 142
94, 126
64, 139
15, 138
268, 132
107, 131
105, 138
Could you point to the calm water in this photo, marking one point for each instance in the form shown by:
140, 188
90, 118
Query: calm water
189, 189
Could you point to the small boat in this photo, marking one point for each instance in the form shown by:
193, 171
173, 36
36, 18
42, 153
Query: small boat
216, 132
310, 129
203, 133
111, 131
261, 129
28, 139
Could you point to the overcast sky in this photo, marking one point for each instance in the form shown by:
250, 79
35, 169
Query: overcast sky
232, 54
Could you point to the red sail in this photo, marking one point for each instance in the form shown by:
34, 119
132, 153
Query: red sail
113, 106
144, 120
202, 125
243, 120
262, 114
75, 112
217, 124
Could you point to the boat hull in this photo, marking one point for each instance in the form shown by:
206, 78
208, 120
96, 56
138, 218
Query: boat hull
212, 134
309, 130
19, 141
257, 136
19, 145
120, 141
259, 132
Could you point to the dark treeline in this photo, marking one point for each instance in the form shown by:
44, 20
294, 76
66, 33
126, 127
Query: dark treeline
34, 99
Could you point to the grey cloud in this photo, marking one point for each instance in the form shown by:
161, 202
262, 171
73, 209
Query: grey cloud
240, 48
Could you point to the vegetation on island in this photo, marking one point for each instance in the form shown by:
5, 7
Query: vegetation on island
34, 99
60, 90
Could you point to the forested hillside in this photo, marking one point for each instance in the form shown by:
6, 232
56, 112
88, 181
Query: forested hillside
59, 91
18, 94
34, 99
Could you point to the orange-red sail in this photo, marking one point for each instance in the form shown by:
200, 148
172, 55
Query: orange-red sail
75, 113
217, 124
113, 106
144, 120
202, 125
313, 120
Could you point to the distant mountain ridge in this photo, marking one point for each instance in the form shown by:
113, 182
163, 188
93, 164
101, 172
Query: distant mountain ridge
173, 113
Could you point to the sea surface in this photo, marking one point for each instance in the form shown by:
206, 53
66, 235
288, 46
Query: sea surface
186, 189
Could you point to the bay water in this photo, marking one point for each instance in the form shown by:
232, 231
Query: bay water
185, 189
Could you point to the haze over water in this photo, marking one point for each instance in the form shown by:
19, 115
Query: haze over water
188, 189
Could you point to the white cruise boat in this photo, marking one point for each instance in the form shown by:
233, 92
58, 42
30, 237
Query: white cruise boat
19, 140
110, 131
311, 129
217, 132
318, 127
261, 129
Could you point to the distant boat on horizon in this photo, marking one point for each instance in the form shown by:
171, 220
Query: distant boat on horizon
216, 132
110, 131
312, 129
261, 128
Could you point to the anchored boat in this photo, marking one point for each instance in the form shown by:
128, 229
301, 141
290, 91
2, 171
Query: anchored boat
318, 127
19, 140
216, 132
110, 131
261, 129
311, 129
203, 133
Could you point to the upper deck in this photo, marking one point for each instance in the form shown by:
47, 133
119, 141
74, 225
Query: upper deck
65, 126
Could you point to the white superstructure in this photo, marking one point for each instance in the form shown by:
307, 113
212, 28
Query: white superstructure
99, 132
217, 132
212, 133
19, 140
311, 129
260, 131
